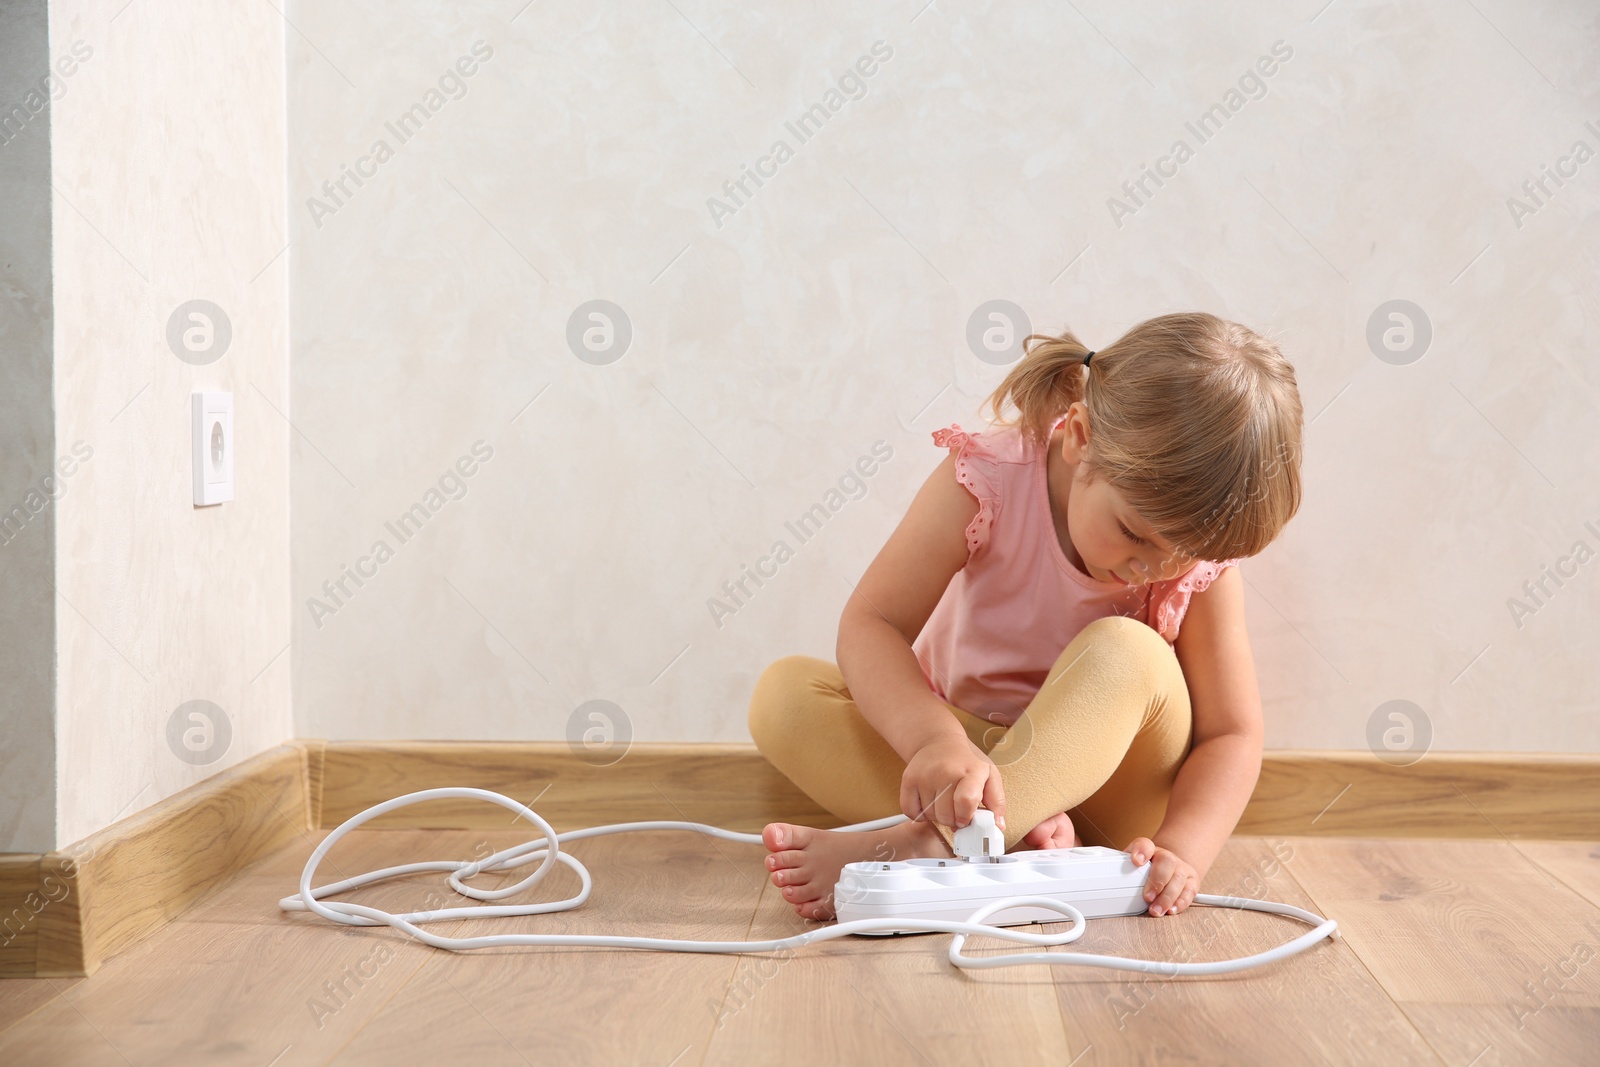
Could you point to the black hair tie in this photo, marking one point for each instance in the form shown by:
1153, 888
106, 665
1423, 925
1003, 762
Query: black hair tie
1087, 358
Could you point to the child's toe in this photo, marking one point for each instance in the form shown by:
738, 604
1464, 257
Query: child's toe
814, 910
790, 858
783, 836
799, 894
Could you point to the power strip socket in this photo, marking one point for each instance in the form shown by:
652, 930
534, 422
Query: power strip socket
1098, 881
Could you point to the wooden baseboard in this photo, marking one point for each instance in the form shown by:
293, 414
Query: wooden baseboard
87, 902
64, 912
1444, 794
728, 785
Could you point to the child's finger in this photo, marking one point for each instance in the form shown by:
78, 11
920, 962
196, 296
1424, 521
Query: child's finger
994, 798
919, 806
1162, 869
1169, 894
1152, 887
944, 808
969, 793
912, 797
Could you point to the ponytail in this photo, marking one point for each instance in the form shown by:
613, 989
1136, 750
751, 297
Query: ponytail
1043, 385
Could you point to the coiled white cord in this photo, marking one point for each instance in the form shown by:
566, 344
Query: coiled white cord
523, 854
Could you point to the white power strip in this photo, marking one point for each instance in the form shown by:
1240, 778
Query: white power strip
1099, 882
1024, 889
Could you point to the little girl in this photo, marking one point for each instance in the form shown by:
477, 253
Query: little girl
1016, 644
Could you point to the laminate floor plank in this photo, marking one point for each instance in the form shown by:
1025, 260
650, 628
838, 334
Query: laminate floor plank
880, 1000
21, 997
235, 981
1491, 957
555, 1004
1317, 1007
1469, 1035
1577, 863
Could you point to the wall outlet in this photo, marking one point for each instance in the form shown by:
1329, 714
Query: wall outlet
213, 447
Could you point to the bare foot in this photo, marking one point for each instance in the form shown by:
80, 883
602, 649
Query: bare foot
1054, 832
805, 862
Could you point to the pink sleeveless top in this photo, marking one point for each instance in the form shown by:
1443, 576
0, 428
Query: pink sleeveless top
1019, 601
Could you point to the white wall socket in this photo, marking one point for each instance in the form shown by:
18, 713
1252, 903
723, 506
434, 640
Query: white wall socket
213, 447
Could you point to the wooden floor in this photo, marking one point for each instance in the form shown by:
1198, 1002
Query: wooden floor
1479, 952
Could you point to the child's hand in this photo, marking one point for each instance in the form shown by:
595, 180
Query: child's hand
949, 779
1172, 883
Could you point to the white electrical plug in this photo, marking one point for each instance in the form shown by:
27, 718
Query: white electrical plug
980, 839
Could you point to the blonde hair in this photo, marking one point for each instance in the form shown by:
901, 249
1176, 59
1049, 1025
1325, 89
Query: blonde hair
1194, 420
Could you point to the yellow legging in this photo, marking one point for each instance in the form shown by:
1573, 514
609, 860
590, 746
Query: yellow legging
1102, 740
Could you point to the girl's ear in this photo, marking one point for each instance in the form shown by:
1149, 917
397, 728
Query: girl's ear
1075, 432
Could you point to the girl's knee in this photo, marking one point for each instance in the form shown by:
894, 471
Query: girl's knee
1129, 640
1136, 655
778, 694
1123, 630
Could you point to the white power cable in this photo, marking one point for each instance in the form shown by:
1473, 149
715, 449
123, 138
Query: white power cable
523, 854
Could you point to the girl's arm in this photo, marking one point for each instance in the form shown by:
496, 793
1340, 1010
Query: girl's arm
1216, 780
889, 607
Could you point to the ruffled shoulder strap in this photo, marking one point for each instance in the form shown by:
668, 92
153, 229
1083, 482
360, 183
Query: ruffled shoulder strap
975, 459
1169, 600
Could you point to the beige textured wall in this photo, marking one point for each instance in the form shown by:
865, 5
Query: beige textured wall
1360, 154
168, 150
